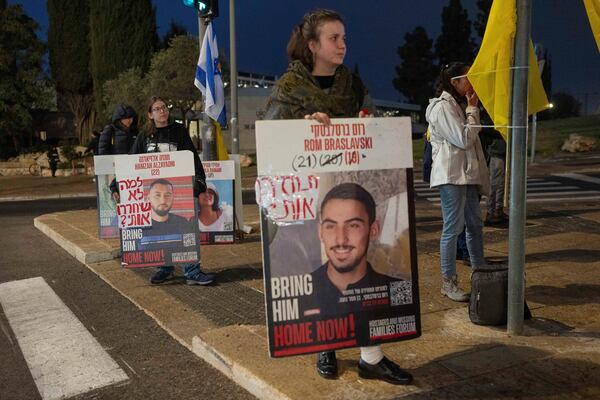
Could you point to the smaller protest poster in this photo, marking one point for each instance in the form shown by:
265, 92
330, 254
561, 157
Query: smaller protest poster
216, 205
157, 210
107, 206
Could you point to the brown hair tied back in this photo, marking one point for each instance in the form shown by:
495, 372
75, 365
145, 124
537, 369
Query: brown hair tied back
448, 72
309, 29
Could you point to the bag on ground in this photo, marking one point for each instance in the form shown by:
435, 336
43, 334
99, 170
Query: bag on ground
489, 293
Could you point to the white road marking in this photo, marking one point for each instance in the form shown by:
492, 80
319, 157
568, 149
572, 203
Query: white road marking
546, 183
64, 358
581, 177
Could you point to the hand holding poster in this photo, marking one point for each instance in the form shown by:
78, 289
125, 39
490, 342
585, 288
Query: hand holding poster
338, 233
157, 209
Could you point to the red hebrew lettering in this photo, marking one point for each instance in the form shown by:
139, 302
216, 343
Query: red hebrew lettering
145, 219
137, 194
145, 207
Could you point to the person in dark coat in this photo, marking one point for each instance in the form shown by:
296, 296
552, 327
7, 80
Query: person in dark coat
53, 159
118, 136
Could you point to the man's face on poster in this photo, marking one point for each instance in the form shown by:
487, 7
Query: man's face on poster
161, 199
345, 232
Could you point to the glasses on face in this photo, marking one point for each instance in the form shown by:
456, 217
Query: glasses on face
159, 109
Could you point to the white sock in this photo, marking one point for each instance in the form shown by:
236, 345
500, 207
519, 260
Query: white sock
371, 355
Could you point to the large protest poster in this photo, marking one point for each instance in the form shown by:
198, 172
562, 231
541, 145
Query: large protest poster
104, 167
216, 205
338, 233
157, 209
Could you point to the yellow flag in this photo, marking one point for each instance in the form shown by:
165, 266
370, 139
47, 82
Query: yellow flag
490, 73
593, 11
221, 149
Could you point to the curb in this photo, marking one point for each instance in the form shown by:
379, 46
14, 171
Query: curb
47, 197
236, 372
78, 253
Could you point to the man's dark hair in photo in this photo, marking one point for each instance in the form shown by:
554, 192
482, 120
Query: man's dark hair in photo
352, 191
160, 182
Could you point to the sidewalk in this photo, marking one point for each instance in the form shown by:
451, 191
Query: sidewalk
557, 357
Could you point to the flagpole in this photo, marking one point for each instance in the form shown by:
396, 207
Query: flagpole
209, 143
518, 187
235, 134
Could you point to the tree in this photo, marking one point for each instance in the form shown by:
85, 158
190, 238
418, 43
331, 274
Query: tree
484, 7
175, 29
547, 74
22, 82
416, 72
565, 106
70, 61
129, 87
119, 40
171, 73
454, 42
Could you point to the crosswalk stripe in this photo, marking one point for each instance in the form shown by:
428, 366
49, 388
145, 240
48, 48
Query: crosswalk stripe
538, 190
64, 358
565, 193
552, 188
580, 177
547, 183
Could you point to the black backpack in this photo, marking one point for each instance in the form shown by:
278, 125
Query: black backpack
489, 293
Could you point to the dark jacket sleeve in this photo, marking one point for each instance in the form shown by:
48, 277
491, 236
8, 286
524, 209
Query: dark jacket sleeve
105, 141
185, 143
139, 146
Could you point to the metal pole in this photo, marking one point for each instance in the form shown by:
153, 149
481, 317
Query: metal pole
209, 142
235, 134
518, 192
533, 137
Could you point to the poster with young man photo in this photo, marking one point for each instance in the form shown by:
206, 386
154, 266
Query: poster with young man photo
156, 211
339, 244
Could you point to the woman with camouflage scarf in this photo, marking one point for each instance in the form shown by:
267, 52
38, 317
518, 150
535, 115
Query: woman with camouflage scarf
318, 86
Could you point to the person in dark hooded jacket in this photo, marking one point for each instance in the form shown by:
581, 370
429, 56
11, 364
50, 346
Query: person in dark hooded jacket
119, 136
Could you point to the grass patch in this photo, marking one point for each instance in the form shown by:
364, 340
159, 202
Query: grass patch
551, 134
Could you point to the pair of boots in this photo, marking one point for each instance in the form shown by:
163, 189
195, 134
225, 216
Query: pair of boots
498, 217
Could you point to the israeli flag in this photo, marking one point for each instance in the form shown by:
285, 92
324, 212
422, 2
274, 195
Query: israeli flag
208, 78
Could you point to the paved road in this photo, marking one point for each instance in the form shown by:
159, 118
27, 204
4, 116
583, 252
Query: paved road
156, 366
564, 187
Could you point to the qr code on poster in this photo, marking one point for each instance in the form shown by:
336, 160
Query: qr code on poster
400, 293
189, 239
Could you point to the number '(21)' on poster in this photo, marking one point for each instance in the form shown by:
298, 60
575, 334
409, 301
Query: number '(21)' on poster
338, 233
157, 210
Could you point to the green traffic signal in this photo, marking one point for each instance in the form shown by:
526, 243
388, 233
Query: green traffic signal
206, 8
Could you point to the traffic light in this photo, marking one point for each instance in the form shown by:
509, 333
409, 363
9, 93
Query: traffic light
206, 8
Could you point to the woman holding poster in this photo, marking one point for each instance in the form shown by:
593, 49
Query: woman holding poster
163, 135
459, 170
318, 86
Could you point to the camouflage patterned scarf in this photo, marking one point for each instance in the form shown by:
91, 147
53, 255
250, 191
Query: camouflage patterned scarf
297, 94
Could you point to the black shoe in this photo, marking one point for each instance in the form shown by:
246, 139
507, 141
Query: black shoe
385, 370
161, 276
327, 365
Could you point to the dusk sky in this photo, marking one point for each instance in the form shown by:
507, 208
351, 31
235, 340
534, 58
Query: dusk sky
264, 26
